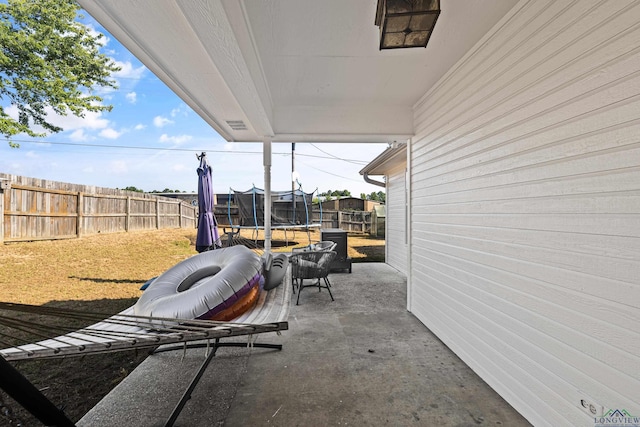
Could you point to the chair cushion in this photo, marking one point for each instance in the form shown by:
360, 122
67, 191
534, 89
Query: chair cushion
324, 260
303, 263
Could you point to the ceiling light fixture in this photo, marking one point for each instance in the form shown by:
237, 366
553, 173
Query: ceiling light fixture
406, 23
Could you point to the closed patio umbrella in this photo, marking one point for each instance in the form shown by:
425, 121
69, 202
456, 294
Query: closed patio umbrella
208, 237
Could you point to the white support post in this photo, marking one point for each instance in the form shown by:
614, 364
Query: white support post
409, 225
266, 151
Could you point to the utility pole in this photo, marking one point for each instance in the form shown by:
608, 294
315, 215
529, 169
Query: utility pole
293, 179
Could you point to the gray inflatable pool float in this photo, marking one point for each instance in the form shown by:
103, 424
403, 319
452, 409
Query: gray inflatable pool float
203, 285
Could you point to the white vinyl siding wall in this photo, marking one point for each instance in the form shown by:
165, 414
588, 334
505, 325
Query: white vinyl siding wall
396, 221
525, 195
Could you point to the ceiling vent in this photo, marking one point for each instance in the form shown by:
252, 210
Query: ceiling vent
237, 124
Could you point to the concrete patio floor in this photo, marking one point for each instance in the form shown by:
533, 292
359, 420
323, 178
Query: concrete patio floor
361, 360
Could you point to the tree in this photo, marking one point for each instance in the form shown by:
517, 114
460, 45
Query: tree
380, 196
336, 193
167, 190
49, 63
132, 188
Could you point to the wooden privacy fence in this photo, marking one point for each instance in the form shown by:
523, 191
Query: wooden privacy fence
353, 221
59, 211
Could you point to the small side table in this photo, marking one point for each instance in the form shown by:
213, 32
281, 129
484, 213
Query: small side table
339, 236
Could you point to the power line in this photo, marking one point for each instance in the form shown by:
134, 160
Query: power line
363, 162
199, 150
358, 162
329, 173
77, 144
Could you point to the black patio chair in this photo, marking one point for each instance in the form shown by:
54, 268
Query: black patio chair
322, 246
312, 265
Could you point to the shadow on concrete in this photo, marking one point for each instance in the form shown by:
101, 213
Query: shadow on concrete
360, 360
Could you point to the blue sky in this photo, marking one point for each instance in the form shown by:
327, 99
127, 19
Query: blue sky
167, 135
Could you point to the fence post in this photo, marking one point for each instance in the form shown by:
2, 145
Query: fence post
127, 214
79, 213
157, 213
3, 184
180, 214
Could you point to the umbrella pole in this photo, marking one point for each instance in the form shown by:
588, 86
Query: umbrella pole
266, 150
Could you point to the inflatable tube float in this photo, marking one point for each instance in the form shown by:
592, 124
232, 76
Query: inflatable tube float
216, 285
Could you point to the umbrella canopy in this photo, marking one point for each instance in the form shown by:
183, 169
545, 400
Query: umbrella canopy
208, 237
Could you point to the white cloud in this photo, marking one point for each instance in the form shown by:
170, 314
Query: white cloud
91, 120
131, 97
118, 167
180, 139
178, 168
12, 111
140, 126
125, 79
110, 133
159, 121
128, 71
180, 110
104, 40
78, 135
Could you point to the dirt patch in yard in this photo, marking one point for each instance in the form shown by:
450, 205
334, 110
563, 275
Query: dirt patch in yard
103, 273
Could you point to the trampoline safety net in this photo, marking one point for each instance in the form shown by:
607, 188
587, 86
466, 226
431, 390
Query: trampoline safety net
284, 212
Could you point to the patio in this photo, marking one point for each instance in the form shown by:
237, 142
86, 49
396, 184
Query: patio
361, 360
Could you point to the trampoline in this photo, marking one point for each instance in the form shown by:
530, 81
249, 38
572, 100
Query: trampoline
290, 211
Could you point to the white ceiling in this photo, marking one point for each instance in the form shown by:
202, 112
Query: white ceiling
294, 70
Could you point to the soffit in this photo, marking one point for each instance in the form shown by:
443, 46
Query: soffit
392, 158
295, 70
